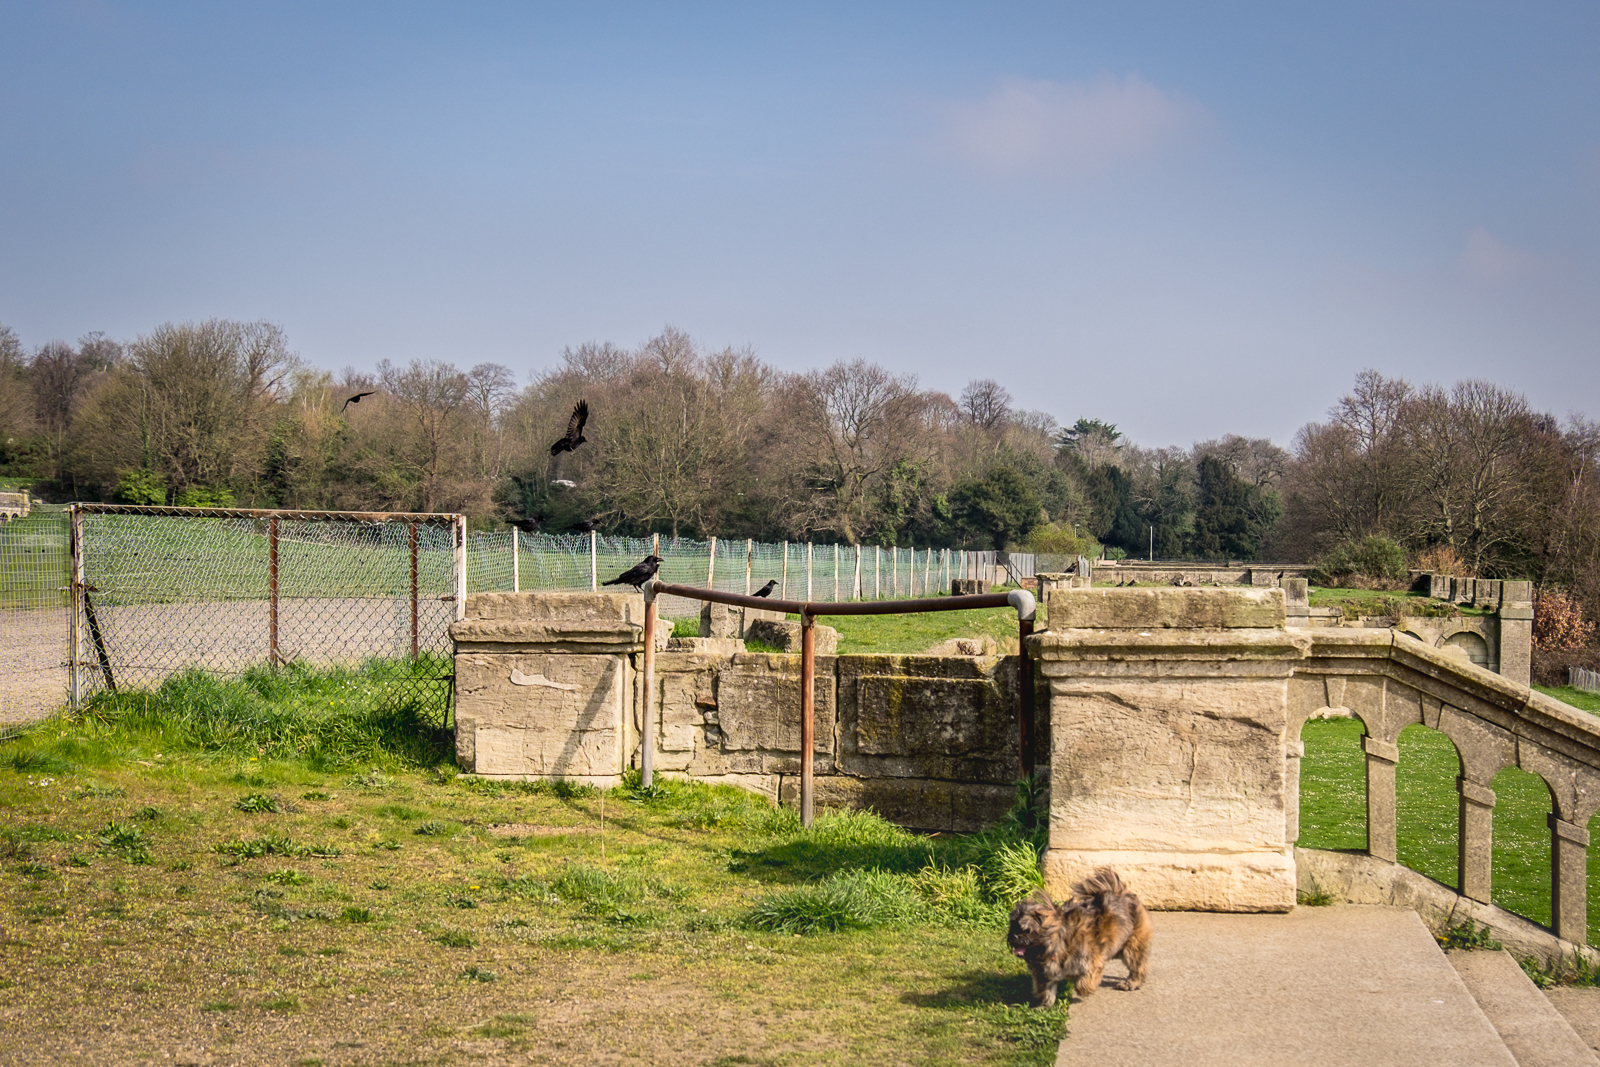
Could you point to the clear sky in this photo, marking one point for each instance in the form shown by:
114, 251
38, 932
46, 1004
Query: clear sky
1187, 219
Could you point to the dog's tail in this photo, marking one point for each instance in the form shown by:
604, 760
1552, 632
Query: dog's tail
1103, 881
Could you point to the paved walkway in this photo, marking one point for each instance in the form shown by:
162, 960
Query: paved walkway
1345, 985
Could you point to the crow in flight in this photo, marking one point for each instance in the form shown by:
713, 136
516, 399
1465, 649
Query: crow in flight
767, 589
530, 524
586, 525
355, 399
574, 438
638, 574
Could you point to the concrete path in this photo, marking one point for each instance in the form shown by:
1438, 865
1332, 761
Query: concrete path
1346, 985
1530, 1025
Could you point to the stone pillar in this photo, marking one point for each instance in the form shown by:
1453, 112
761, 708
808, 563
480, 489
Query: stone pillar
1569, 860
1475, 841
1169, 717
1516, 632
1297, 601
544, 682
1381, 759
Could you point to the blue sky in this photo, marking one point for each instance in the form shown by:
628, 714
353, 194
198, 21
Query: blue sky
1187, 219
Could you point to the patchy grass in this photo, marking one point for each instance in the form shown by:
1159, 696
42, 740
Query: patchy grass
1578, 698
1333, 814
182, 893
906, 634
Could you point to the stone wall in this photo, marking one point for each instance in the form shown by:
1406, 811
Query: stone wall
549, 686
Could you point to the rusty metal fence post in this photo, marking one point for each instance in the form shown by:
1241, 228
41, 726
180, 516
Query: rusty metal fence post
273, 656
411, 538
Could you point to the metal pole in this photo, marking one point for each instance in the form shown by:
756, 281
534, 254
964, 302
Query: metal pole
594, 561
461, 567
808, 571
272, 591
647, 743
411, 527
808, 710
1025, 706
75, 597
711, 565
749, 556
783, 588
516, 574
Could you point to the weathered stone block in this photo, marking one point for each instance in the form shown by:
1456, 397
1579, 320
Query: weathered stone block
725, 620
758, 704
928, 717
579, 623
541, 715
1144, 609
786, 635
968, 586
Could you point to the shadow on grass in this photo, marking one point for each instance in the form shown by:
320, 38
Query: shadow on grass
973, 989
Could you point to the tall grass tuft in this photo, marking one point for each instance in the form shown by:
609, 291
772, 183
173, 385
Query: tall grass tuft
327, 718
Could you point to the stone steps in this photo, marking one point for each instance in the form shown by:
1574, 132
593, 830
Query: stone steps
1345, 985
1537, 1034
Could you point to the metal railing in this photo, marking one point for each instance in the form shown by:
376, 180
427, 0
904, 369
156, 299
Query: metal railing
1019, 599
1587, 680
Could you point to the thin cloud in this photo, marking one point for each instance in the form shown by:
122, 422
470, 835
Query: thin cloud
1054, 129
1488, 258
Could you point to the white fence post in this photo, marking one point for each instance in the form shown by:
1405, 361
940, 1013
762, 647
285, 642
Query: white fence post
808, 572
516, 575
711, 565
594, 561
855, 583
836, 572
749, 553
783, 587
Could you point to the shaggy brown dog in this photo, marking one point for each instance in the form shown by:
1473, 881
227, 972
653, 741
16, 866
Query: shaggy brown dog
1073, 941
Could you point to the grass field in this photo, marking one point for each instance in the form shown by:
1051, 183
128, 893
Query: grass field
336, 894
1333, 814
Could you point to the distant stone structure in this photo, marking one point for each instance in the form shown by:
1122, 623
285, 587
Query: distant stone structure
15, 506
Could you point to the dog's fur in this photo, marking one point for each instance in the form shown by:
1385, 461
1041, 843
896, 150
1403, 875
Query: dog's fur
1073, 941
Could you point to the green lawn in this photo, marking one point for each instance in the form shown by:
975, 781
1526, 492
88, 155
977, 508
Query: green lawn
270, 871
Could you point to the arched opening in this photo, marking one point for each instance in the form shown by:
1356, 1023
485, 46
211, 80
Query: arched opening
1427, 806
1333, 794
1521, 863
1472, 645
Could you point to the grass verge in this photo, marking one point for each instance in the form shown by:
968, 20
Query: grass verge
175, 877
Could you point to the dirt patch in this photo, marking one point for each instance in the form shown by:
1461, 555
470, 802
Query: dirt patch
523, 829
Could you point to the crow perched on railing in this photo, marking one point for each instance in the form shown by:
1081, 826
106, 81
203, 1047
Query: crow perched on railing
767, 589
530, 524
574, 437
638, 574
586, 525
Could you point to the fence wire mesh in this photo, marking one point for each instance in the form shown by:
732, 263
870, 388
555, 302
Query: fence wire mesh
166, 590
35, 565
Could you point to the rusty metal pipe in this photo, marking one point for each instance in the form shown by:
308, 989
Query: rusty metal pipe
864, 607
808, 713
647, 739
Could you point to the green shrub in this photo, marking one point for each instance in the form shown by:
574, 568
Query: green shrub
1375, 559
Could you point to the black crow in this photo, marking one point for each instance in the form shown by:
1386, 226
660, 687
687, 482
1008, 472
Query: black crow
574, 438
530, 524
638, 574
355, 399
586, 525
767, 589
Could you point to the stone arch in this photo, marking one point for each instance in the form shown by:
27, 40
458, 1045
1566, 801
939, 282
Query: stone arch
1521, 856
1428, 768
1469, 643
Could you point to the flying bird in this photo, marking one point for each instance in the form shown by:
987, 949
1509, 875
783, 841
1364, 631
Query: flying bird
355, 399
574, 438
767, 589
530, 524
638, 574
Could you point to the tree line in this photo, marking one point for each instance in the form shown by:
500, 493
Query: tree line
687, 441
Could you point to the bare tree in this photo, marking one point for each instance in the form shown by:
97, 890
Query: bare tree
985, 403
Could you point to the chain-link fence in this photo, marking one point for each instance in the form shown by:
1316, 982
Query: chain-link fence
35, 564
164, 590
